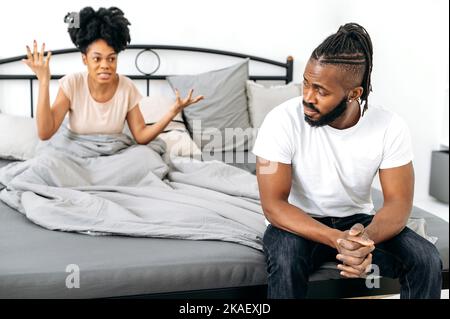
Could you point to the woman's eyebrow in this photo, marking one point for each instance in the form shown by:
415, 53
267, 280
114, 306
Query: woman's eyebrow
98, 53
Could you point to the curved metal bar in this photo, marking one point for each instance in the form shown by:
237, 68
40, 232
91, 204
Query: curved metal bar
164, 47
157, 58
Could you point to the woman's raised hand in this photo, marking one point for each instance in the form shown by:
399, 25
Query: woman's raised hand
180, 103
37, 63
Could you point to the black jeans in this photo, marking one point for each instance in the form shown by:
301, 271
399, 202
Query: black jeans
407, 256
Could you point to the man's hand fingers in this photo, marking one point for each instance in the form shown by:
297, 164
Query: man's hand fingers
349, 260
356, 229
348, 275
366, 263
347, 244
358, 253
363, 240
358, 270
349, 270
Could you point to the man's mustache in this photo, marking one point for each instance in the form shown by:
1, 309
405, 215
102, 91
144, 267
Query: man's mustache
310, 106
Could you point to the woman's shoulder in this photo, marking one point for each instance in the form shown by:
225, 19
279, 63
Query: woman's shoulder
74, 78
72, 83
127, 84
126, 81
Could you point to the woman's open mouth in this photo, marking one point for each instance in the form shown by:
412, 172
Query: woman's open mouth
104, 76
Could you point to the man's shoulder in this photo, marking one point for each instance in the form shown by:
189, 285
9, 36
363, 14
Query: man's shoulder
380, 111
380, 114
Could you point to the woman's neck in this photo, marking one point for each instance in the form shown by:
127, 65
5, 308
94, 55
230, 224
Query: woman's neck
101, 90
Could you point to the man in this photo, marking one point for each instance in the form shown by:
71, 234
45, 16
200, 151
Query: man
317, 157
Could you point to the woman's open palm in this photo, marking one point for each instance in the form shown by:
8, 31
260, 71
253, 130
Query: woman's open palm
37, 63
180, 103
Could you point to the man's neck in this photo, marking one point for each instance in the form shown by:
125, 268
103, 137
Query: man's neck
349, 118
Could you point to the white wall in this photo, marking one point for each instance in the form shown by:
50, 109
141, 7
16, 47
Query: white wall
410, 39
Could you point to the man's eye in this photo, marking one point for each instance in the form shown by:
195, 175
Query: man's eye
111, 59
95, 59
322, 93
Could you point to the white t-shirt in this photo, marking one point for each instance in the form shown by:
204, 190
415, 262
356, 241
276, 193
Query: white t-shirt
333, 170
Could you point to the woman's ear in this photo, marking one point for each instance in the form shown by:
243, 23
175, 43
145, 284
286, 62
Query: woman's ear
84, 58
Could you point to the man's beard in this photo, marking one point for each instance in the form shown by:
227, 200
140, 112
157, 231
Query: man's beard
326, 118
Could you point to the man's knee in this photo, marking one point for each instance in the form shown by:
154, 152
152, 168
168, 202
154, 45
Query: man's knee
430, 260
426, 257
285, 251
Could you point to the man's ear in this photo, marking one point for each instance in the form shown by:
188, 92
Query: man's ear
356, 93
84, 58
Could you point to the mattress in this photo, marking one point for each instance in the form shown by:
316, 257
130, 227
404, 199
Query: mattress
36, 262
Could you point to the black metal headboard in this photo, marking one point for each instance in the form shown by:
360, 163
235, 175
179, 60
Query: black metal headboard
288, 65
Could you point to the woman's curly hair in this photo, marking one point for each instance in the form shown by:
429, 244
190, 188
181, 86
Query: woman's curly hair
107, 24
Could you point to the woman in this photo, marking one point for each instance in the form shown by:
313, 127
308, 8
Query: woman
99, 100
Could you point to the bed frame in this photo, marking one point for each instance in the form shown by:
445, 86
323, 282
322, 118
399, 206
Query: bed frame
340, 288
288, 65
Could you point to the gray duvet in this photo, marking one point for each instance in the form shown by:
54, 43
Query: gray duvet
106, 184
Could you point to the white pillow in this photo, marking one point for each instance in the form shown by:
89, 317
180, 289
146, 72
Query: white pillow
262, 99
180, 144
18, 137
175, 135
153, 108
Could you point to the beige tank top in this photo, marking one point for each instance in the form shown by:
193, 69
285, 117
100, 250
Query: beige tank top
87, 116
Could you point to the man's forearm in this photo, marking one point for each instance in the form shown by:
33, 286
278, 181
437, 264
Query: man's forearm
388, 221
293, 219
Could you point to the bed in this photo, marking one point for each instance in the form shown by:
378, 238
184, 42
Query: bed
36, 262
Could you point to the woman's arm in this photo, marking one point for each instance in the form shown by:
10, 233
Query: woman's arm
48, 119
144, 134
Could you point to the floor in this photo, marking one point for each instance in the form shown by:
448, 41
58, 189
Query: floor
444, 295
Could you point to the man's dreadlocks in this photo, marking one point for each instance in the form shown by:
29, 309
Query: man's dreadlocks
351, 48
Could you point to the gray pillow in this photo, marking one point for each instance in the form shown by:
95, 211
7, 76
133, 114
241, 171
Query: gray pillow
262, 99
220, 122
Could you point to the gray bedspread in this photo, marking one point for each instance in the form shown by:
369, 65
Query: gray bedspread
106, 184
